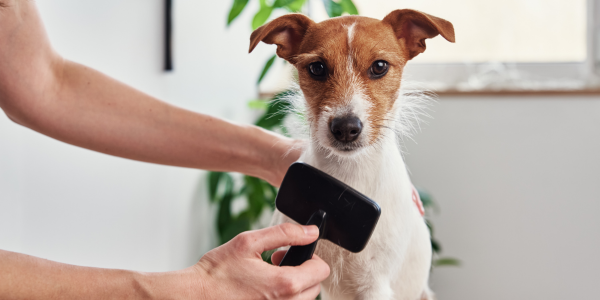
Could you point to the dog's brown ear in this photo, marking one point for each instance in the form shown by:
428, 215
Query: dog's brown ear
286, 32
414, 27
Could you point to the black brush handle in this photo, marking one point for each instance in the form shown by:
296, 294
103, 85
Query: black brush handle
297, 255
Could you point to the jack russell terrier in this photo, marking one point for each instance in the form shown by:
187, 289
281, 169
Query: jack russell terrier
349, 73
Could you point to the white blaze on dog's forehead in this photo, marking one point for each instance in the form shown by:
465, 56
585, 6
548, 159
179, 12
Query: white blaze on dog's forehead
350, 35
350, 38
357, 102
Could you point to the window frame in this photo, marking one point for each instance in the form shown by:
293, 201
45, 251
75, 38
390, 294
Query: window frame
517, 77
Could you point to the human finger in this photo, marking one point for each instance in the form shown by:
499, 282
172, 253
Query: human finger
277, 256
285, 234
308, 274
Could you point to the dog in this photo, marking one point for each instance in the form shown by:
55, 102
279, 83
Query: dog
350, 73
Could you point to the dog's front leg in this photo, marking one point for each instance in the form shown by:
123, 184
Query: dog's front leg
375, 271
379, 288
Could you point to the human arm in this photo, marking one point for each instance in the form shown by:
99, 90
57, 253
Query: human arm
232, 271
81, 106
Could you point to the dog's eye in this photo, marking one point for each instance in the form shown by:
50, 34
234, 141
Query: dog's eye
317, 70
379, 68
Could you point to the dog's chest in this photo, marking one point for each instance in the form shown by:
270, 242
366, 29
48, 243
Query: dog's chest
395, 225
400, 231
387, 183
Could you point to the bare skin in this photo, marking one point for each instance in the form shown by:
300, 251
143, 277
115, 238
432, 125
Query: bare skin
78, 105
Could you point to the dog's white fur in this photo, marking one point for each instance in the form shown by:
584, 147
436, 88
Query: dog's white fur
396, 262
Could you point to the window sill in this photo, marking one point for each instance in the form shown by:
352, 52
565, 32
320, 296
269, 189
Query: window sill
526, 93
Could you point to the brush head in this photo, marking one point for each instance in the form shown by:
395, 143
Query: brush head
351, 216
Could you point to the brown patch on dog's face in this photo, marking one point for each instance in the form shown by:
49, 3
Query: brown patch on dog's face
350, 69
349, 47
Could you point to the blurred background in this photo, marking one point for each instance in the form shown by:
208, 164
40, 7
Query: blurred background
510, 154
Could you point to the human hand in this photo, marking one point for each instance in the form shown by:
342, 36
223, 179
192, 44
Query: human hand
236, 270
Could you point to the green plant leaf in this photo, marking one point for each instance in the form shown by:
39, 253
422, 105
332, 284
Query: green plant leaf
235, 227
276, 112
446, 261
261, 16
270, 199
213, 184
349, 7
266, 69
217, 181
242, 191
236, 9
429, 226
295, 6
228, 186
285, 132
282, 3
435, 246
258, 104
255, 194
427, 200
266, 256
333, 8
224, 216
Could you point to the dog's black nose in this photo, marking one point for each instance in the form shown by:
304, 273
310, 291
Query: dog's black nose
346, 129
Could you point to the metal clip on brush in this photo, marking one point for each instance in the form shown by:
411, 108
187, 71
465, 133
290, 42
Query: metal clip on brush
297, 255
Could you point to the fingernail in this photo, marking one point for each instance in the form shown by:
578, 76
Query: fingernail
311, 230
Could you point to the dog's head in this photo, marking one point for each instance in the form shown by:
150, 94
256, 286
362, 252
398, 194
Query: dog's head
350, 69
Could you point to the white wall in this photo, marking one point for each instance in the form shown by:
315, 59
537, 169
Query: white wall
516, 178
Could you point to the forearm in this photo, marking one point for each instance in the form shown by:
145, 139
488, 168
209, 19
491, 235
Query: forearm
94, 111
27, 277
